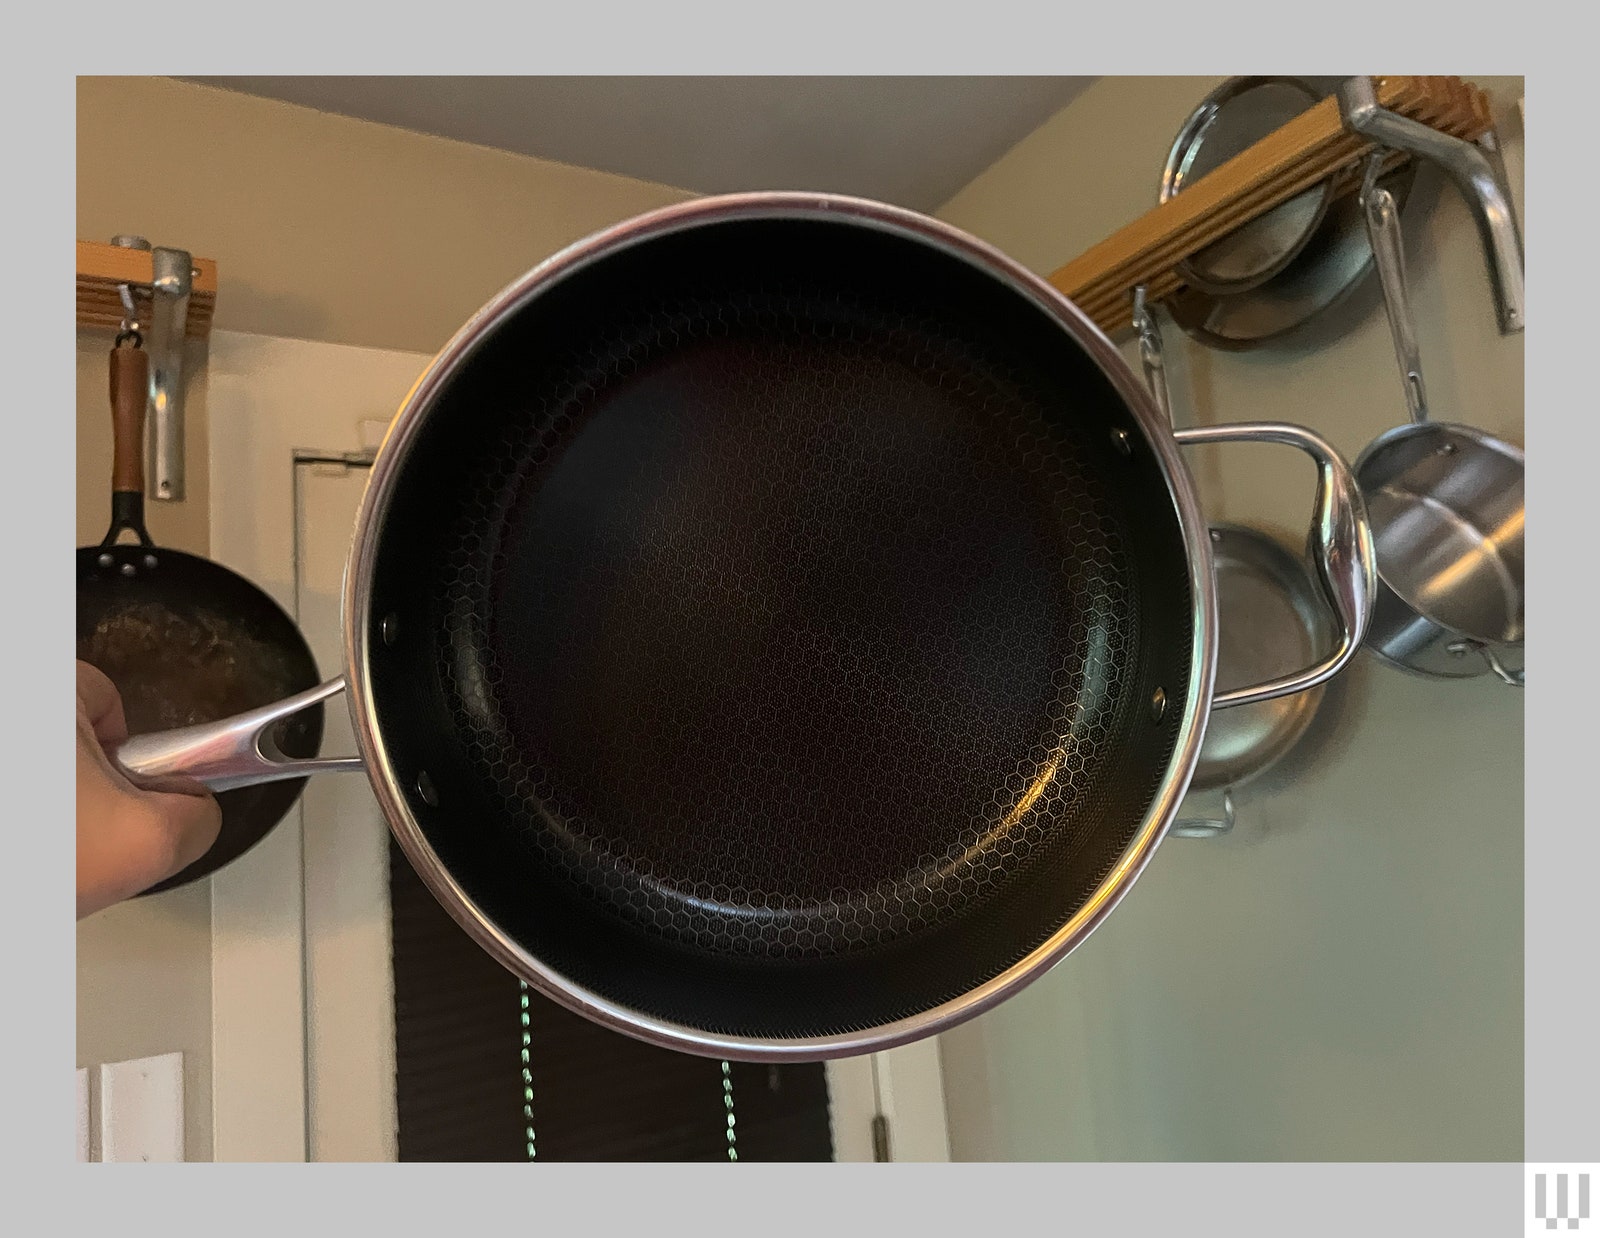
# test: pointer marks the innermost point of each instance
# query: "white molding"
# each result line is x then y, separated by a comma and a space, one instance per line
266, 398
911, 1096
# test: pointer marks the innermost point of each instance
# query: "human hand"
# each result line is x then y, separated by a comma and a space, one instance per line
129, 838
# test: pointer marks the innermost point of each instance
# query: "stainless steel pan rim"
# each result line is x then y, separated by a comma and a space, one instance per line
358, 621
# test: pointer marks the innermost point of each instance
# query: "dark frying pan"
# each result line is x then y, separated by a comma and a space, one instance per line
183, 639
782, 627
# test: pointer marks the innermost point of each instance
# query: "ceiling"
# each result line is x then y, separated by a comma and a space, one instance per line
913, 141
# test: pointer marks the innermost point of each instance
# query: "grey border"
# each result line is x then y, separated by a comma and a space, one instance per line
1562, 848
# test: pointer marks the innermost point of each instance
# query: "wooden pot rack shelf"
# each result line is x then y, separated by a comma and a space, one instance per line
1319, 145
103, 269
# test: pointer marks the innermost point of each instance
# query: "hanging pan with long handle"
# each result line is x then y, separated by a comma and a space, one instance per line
781, 627
1446, 507
184, 640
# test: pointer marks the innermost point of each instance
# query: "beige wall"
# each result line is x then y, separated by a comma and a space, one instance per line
1342, 978
325, 229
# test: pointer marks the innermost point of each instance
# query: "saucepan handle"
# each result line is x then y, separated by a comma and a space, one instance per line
236, 752
1502, 672
1206, 827
1340, 544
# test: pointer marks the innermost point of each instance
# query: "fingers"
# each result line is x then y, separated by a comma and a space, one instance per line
129, 837
191, 823
101, 705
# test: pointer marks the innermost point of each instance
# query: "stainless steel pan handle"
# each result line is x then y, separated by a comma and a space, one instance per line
1505, 674
1474, 175
1206, 827
1389, 256
1340, 544
235, 752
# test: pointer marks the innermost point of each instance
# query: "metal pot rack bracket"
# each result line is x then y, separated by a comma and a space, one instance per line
171, 282
1443, 120
1477, 171
173, 303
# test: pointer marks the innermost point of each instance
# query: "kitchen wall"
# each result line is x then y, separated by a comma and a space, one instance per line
325, 229
1340, 979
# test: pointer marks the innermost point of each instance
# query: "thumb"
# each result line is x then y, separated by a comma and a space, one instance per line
191, 821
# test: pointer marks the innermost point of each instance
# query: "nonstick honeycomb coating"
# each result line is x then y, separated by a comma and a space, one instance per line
807, 639
778, 641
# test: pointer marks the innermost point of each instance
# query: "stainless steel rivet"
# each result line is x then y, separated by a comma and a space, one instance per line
1119, 439
1158, 705
104, 560
390, 628
1216, 535
128, 569
430, 797
1447, 449
149, 560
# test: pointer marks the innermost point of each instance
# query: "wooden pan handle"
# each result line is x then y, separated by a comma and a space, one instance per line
130, 392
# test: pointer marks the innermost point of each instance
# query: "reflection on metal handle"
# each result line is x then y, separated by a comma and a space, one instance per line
1206, 827
235, 752
170, 288
1341, 544
1502, 672
1389, 256
1150, 352
1473, 174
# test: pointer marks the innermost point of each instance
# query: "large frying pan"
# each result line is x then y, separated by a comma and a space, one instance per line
780, 627
184, 640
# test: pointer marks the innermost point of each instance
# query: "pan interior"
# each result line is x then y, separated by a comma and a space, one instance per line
783, 623
1447, 525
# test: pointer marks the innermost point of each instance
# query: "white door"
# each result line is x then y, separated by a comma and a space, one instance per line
303, 1001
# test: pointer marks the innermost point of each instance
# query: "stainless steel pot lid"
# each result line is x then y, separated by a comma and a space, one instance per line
1270, 621
1326, 268
1234, 117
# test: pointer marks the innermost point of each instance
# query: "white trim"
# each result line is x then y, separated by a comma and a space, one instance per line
266, 397
906, 1086
911, 1097
852, 1103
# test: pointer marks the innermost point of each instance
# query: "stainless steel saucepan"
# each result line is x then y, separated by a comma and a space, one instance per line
1446, 506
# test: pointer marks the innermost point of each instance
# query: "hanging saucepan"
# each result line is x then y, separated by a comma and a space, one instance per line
781, 627
184, 640
1447, 512
1270, 619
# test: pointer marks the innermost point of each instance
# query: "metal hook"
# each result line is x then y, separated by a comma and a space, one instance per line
1151, 352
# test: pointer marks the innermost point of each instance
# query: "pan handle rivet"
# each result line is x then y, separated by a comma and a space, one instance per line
430, 797
1158, 705
149, 560
390, 629
104, 560
1119, 439
128, 569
